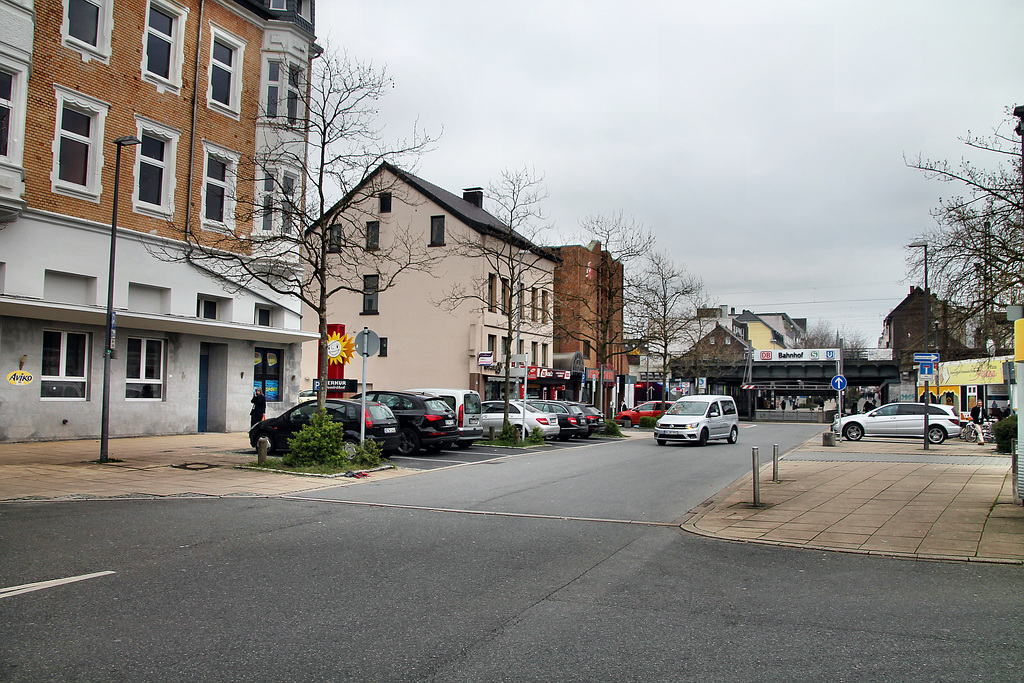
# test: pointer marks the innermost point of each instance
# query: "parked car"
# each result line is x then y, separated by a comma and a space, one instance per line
571, 420
494, 412
381, 424
698, 419
426, 421
631, 417
465, 403
595, 418
307, 394
901, 419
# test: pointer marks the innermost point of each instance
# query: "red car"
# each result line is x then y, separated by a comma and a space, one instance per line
648, 409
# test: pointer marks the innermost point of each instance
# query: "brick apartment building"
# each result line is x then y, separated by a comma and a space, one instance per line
195, 82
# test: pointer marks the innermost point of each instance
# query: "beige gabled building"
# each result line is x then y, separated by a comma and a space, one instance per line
446, 327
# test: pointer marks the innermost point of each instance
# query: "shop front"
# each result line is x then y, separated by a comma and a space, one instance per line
966, 383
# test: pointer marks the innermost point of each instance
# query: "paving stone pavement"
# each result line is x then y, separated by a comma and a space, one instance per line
878, 496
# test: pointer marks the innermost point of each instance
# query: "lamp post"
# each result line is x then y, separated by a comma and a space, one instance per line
519, 337
109, 343
927, 306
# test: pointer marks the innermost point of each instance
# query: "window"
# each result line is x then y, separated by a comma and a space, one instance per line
385, 202
492, 287
288, 209
544, 354
294, 86
586, 348
273, 87
163, 45
520, 346
78, 155
6, 102
154, 169
86, 27
533, 304
334, 239
267, 205
711, 340
506, 296
728, 340
264, 316
370, 284
437, 231
544, 306
372, 235
218, 188
144, 369
533, 352
267, 373
65, 361
206, 308
226, 54
506, 347
383, 352
277, 5
492, 341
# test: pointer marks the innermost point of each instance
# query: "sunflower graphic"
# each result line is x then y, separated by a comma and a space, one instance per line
340, 349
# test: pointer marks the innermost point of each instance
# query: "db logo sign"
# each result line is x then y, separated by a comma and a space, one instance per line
766, 355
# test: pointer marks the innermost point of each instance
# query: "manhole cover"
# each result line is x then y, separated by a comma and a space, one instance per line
195, 466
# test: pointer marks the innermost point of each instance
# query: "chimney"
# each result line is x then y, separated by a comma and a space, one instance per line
474, 195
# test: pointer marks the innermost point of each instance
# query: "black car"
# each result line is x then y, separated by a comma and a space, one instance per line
595, 418
571, 420
425, 420
381, 425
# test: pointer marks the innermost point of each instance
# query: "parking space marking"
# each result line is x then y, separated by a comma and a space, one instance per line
42, 585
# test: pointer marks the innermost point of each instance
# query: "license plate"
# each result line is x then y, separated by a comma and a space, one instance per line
449, 423
389, 430
672, 432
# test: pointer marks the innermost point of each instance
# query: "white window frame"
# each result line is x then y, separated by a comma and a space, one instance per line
278, 5
263, 193
233, 107
142, 380
170, 137
259, 309
280, 84
201, 302
18, 105
180, 15
97, 111
62, 376
230, 159
105, 25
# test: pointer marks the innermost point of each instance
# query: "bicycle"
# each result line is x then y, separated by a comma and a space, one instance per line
969, 432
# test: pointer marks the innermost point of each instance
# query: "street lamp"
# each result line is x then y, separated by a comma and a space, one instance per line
927, 306
519, 337
109, 348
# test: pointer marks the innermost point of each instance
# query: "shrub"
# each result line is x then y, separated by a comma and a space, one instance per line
509, 433
368, 454
536, 436
648, 422
1005, 431
321, 442
611, 428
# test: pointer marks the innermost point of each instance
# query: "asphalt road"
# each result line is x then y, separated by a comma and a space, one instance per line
397, 585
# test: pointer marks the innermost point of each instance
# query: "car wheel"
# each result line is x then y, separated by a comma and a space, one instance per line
585, 436
734, 434
853, 432
349, 448
703, 440
936, 434
465, 444
408, 442
272, 448
662, 442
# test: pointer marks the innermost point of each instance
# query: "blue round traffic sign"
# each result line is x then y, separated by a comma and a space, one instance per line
838, 382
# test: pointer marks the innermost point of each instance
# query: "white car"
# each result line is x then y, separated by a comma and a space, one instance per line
494, 412
698, 419
901, 419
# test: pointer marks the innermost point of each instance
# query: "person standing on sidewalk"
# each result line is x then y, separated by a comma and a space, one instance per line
259, 407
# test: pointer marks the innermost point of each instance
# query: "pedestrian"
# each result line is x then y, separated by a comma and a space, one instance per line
259, 407
783, 404
977, 413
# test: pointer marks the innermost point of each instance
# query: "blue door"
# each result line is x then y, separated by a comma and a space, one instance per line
204, 383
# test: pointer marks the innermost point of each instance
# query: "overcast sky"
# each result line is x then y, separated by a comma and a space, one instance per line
761, 142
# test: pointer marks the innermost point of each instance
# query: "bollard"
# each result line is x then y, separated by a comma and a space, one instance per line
756, 476
262, 446
775, 463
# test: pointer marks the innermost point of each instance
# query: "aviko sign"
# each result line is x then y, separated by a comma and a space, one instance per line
798, 355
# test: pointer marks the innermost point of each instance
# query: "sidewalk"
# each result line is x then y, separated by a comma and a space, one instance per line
878, 497
156, 466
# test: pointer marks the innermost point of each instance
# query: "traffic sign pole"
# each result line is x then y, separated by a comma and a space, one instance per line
839, 383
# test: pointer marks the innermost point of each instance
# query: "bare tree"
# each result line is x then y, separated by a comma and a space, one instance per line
512, 259
668, 300
824, 335
597, 311
976, 249
305, 231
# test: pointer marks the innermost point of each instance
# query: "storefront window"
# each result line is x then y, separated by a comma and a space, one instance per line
267, 373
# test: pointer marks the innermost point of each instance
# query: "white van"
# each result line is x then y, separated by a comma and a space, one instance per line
466, 405
698, 419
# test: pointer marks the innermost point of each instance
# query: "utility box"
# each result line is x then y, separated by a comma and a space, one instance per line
828, 439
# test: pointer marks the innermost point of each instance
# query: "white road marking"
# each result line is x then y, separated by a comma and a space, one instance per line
41, 585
